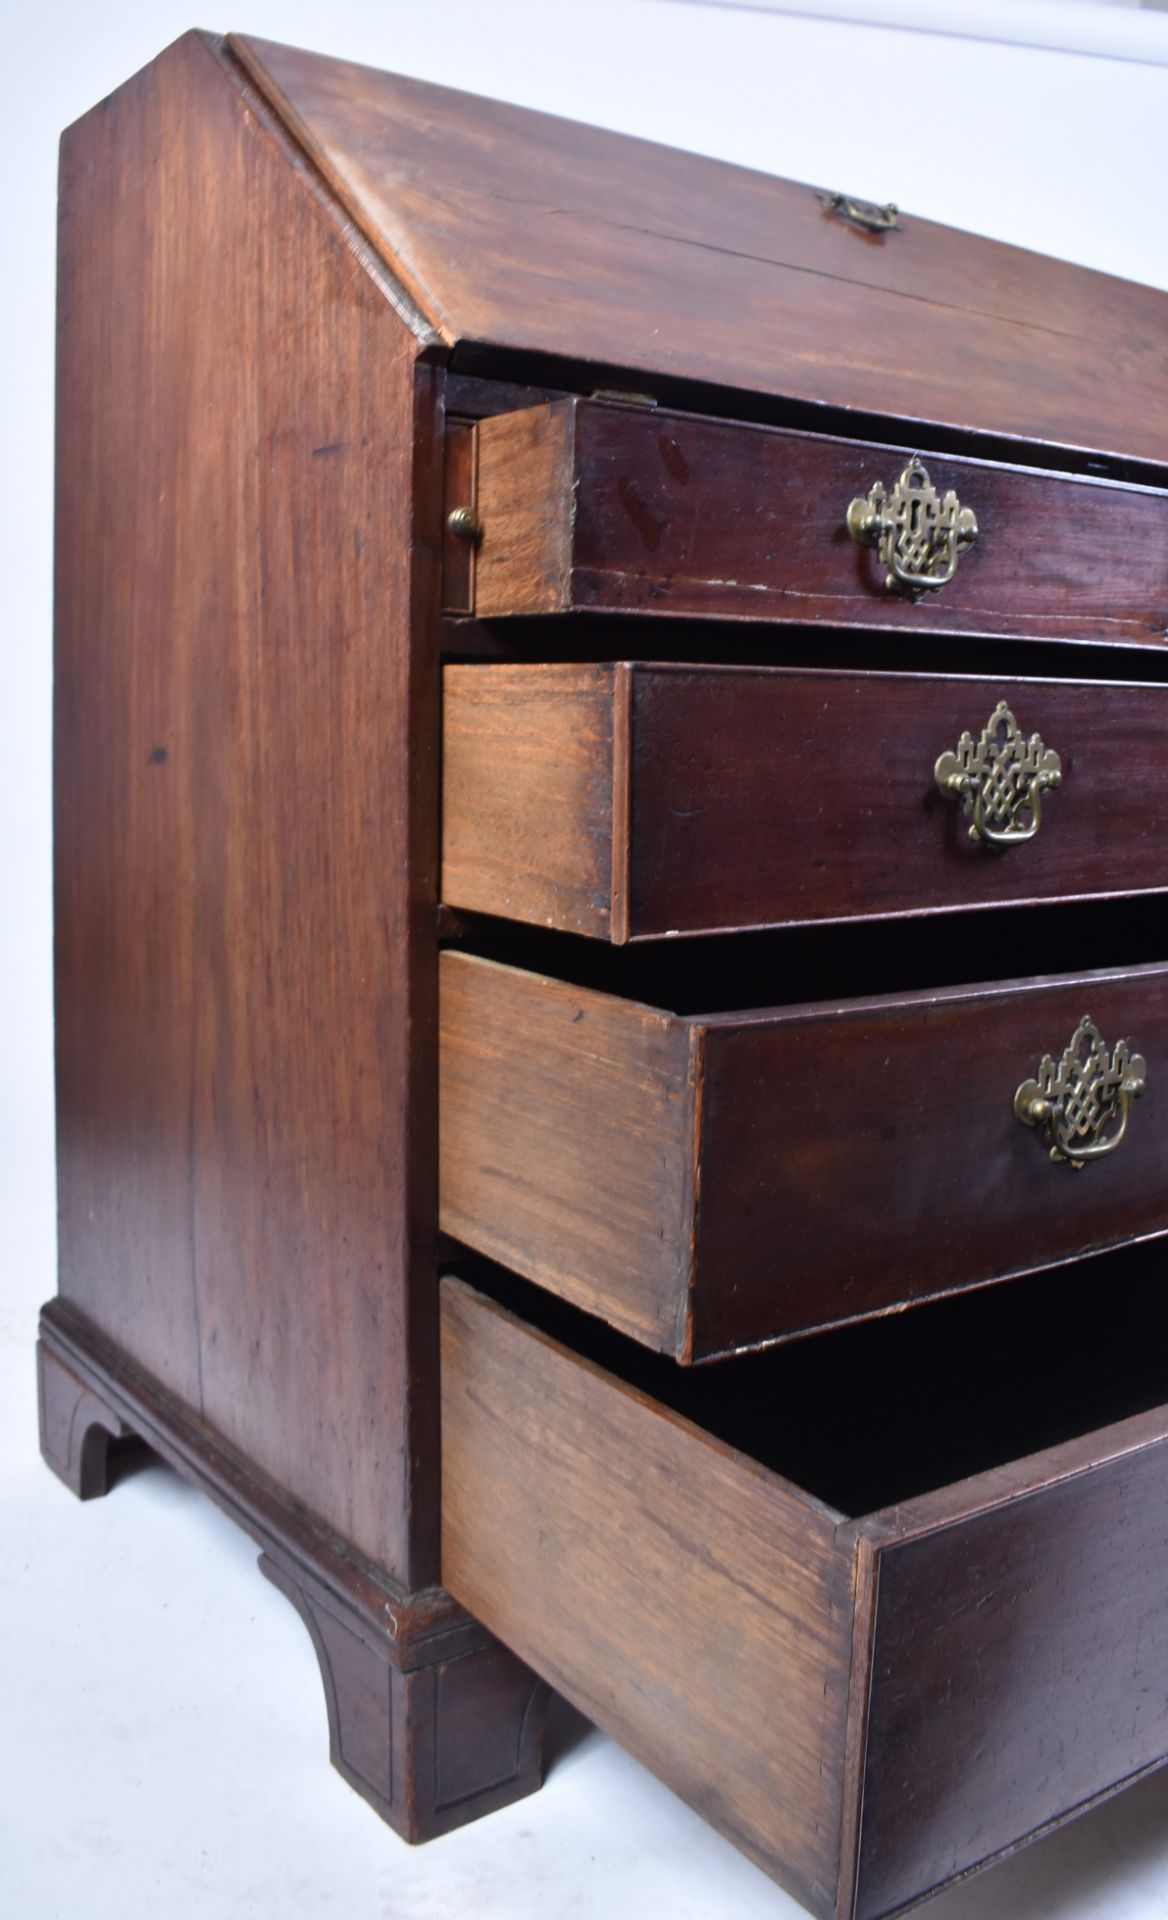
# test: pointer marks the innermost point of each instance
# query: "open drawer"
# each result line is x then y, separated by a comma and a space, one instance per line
880, 1615
630, 801
711, 1181
586, 506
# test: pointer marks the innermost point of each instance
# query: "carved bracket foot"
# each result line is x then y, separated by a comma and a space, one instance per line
430, 1718
77, 1427
449, 1737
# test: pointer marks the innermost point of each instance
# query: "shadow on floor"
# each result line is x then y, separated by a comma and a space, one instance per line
1101, 1863
566, 1732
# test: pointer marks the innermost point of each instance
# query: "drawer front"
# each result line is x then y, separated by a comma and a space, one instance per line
869, 1708
593, 507
1019, 1662
709, 1184
631, 802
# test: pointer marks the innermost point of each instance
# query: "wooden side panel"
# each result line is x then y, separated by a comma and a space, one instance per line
527, 794
527, 232
1019, 1673
692, 1603
865, 1157
567, 1133
244, 802
527, 505
125, 801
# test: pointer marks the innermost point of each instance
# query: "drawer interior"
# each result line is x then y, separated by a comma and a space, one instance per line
730, 973
588, 638
887, 1410
881, 1612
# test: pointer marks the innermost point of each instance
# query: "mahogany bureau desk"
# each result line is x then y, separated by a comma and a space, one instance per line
611, 841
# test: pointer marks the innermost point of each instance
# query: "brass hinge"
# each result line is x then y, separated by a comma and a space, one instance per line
625, 399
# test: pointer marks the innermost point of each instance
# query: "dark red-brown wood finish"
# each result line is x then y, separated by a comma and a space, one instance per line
1063, 1697
430, 1720
611, 509
548, 241
244, 731
248, 509
291, 293
631, 802
712, 1182
871, 1702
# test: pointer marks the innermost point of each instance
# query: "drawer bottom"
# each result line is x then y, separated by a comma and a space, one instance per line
879, 1617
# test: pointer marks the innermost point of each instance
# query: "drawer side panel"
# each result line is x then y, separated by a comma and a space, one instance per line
692, 1604
527, 794
566, 1129
526, 504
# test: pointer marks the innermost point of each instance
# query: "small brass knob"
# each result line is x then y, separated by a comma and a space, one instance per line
919, 536
1082, 1101
464, 523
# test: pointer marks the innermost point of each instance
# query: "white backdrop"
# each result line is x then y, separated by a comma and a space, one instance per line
162, 1737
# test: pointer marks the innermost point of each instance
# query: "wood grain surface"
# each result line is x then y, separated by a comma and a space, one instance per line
861, 1158
631, 509
272, 268
567, 1140
458, 492
528, 806
1018, 1666
244, 754
521, 233
757, 797
693, 1605
996, 1642
431, 1721
712, 1182
525, 464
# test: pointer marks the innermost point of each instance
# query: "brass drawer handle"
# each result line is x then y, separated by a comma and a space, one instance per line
919, 537
1000, 779
1074, 1099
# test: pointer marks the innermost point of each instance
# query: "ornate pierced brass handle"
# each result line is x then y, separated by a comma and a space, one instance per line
1000, 779
1076, 1100
919, 537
